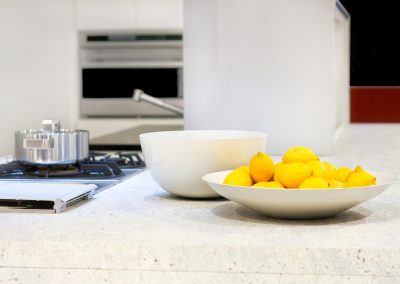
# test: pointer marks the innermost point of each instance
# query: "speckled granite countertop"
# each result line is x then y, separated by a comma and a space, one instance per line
137, 232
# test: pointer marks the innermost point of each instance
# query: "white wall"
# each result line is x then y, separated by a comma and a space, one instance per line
38, 65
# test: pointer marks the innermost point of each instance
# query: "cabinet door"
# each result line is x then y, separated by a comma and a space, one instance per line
105, 14
159, 14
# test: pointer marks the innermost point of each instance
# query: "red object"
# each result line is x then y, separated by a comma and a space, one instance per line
375, 104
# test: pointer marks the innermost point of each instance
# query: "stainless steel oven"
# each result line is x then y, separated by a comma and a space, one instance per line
113, 65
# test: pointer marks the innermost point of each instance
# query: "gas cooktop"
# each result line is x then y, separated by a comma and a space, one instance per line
101, 169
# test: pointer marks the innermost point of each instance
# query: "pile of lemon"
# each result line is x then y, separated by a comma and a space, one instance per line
300, 168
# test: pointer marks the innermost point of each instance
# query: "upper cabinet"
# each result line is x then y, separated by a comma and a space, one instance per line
159, 14
129, 14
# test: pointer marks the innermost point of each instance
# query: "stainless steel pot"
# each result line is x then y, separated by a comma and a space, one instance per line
51, 145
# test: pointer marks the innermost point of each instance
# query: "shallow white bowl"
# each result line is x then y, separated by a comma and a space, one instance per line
297, 203
178, 159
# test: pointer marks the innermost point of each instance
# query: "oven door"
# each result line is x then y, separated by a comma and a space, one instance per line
108, 91
112, 65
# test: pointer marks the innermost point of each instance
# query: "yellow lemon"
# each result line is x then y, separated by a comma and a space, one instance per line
299, 154
342, 173
318, 168
293, 174
238, 177
261, 167
330, 172
359, 177
269, 184
314, 182
276, 170
244, 168
334, 183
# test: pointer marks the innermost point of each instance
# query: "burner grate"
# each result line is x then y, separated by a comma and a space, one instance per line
10, 168
97, 169
123, 159
50, 171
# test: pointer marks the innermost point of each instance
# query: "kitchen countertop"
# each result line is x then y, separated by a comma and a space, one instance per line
137, 232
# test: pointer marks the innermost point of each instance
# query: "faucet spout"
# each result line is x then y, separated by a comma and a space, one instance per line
139, 95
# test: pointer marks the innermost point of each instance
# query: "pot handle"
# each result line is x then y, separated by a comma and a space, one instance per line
38, 143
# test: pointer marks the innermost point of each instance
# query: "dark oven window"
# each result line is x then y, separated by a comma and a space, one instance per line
120, 83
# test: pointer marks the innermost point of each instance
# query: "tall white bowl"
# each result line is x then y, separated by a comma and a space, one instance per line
178, 159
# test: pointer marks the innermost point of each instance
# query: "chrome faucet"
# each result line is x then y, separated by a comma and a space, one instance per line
139, 95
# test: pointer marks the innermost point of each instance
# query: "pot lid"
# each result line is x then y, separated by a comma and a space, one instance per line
50, 126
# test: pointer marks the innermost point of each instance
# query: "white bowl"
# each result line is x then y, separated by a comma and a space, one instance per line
297, 203
178, 159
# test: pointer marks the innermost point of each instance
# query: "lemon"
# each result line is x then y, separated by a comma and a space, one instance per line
293, 174
330, 172
318, 168
261, 167
244, 168
269, 184
299, 154
342, 173
276, 170
334, 183
238, 177
359, 177
314, 182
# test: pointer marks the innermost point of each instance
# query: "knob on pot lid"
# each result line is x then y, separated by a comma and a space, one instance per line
51, 125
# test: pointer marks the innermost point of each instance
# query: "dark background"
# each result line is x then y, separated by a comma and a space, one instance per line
375, 42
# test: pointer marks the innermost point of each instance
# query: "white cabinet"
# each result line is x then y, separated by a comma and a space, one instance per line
277, 66
159, 14
104, 14
128, 14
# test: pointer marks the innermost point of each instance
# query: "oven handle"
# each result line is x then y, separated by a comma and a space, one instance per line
139, 95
